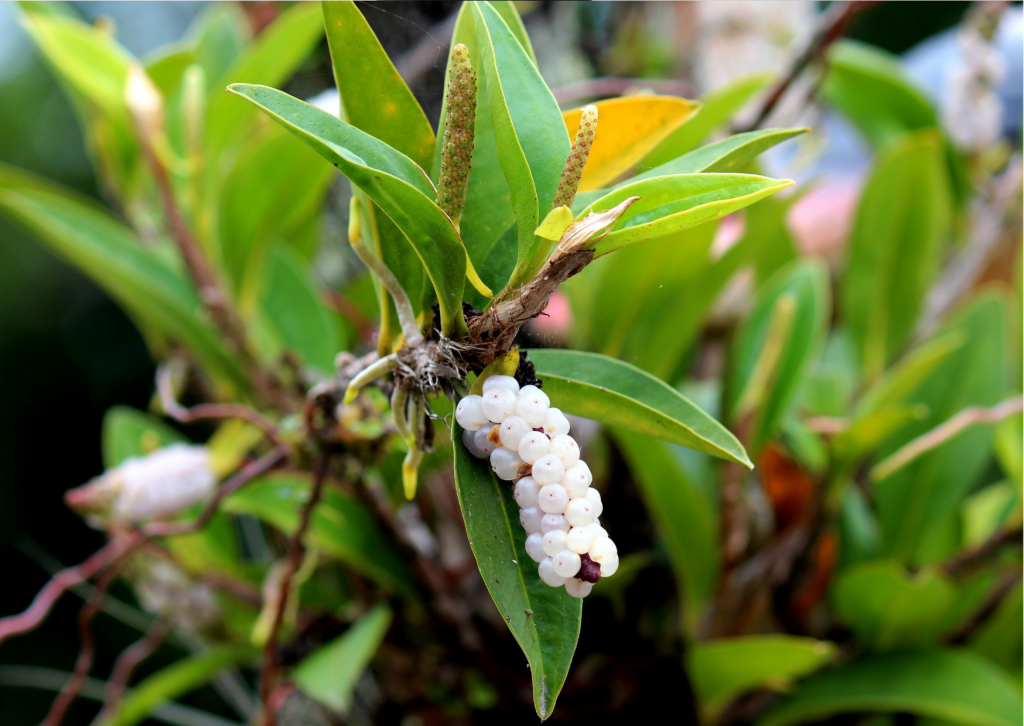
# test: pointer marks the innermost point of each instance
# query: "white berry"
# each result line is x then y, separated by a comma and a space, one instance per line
594, 497
546, 570
596, 529
575, 482
468, 440
548, 469
505, 463
552, 499
602, 549
579, 540
511, 432
578, 588
533, 446
583, 465
609, 565
552, 521
530, 518
533, 404
526, 492
470, 413
535, 546
506, 382
498, 404
566, 449
555, 423
567, 563
579, 512
484, 444
554, 542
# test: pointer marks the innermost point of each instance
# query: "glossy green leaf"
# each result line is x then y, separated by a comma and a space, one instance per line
720, 670
950, 685
341, 527
156, 296
392, 180
686, 522
895, 246
728, 155
918, 502
329, 674
717, 107
129, 433
176, 680
802, 285
531, 138
618, 394
508, 12
544, 620
671, 203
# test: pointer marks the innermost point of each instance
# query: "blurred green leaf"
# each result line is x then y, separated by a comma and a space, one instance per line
1009, 446
728, 155
1001, 637
984, 511
544, 620
952, 685
618, 394
860, 537
176, 680
329, 674
686, 523
392, 180
220, 34
341, 526
129, 433
671, 203
723, 669
895, 246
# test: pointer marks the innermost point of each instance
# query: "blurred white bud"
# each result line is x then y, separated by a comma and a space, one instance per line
144, 102
971, 110
165, 590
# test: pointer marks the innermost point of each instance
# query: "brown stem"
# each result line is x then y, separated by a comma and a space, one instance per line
126, 664
987, 609
966, 561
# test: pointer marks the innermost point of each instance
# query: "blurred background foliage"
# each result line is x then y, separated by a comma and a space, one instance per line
830, 252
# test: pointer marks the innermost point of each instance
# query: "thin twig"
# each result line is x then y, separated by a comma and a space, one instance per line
966, 561
126, 664
986, 610
944, 432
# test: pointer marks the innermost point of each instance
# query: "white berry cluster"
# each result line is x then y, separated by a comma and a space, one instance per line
528, 442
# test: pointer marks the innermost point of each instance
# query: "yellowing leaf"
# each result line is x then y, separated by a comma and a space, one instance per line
627, 129
557, 221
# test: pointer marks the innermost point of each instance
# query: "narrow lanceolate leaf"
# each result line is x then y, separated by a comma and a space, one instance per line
544, 620
953, 686
618, 394
629, 128
727, 155
723, 669
508, 12
896, 246
392, 180
671, 203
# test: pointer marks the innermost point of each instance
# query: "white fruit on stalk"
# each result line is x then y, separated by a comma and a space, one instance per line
566, 449
512, 431
578, 588
161, 483
533, 404
506, 382
575, 481
609, 565
483, 444
548, 469
505, 463
550, 522
530, 518
470, 413
554, 542
498, 404
546, 570
579, 540
567, 563
594, 497
526, 492
535, 546
469, 441
596, 529
533, 446
555, 423
579, 512
583, 465
552, 499
602, 549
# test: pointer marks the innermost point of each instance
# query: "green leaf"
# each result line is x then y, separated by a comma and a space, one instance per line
871, 88
392, 180
156, 296
717, 107
531, 138
895, 246
686, 522
723, 669
951, 685
618, 394
544, 620
888, 608
769, 362
330, 673
130, 433
341, 526
220, 32
918, 502
176, 680
508, 12
859, 535
671, 203
728, 155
